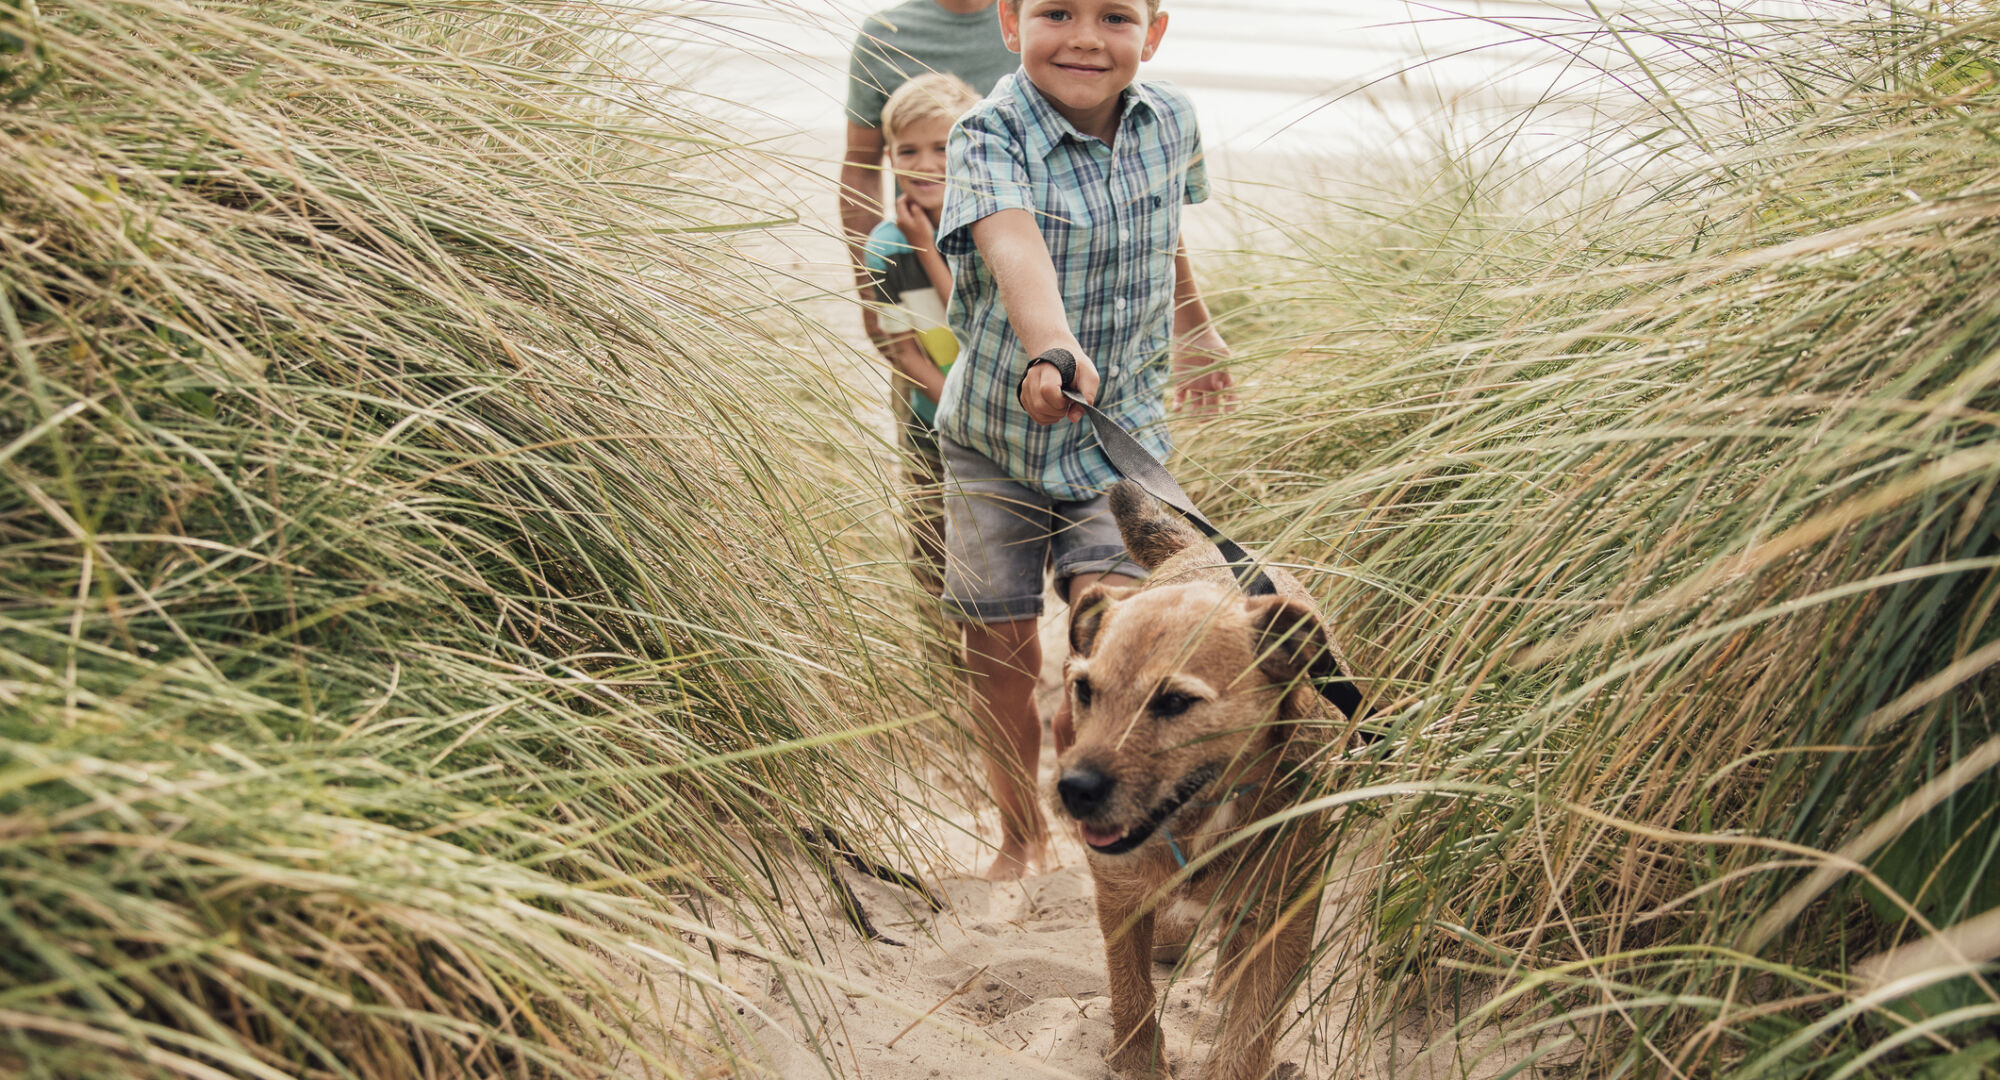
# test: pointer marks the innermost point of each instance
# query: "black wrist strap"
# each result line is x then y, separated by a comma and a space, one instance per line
1061, 359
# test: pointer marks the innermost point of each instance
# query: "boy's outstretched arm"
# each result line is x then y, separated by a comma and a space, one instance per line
1203, 382
1018, 257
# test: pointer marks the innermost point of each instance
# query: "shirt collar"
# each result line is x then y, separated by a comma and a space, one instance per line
1047, 128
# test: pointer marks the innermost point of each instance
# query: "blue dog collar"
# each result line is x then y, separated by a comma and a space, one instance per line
1174, 845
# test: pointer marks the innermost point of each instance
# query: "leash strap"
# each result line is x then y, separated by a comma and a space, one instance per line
1135, 464
1142, 468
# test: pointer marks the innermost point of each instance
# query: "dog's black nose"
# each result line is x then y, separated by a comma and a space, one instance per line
1084, 790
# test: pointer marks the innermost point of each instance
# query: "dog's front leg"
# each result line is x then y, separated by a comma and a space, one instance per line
1136, 1048
1255, 973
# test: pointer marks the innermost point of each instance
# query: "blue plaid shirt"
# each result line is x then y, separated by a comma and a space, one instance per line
1111, 217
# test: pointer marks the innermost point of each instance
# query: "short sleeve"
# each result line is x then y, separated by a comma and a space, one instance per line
883, 245
867, 88
1194, 174
1196, 188
985, 173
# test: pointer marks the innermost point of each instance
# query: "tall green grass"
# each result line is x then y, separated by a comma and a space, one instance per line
1652, 481
429, 571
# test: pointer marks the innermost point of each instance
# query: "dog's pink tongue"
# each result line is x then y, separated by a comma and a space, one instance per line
1098, 837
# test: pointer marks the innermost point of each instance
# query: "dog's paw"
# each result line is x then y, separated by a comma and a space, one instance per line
1155, 1071
1146, 1059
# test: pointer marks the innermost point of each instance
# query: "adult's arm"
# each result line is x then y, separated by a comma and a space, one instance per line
861, 207
1018, 258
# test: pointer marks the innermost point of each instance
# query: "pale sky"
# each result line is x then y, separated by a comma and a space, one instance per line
1283, 88
1264, 74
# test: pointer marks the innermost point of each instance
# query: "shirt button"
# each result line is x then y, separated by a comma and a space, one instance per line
1118, 303
1113, 371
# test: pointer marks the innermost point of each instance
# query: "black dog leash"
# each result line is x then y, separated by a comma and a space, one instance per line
1135, 464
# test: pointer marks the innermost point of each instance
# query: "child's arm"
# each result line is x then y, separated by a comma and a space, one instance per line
1199, 351
908, 357
916, 226
1012, 245
905, 354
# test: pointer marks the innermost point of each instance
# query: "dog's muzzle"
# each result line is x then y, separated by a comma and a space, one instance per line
1090, 782
1084, 791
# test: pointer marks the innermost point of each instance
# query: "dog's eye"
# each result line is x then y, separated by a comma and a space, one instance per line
1083, 693
1170, 703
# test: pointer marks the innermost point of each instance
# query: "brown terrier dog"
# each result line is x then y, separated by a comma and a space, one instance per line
1184, 695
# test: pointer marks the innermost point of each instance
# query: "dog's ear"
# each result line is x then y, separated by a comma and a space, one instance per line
1088, 614
1150, 533
1289, 640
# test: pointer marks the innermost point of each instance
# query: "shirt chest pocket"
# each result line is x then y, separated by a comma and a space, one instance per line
1077, 221
1150, 211
1066, 211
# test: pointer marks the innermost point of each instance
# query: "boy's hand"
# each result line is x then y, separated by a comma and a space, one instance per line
1203, 381
1042, 396
916, 225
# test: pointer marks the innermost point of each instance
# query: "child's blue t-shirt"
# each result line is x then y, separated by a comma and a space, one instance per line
1111, 217
912, 304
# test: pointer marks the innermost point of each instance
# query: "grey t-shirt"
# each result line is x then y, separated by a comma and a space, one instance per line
919, 36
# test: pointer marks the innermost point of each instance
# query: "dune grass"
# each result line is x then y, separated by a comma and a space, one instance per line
426, 557
430, 573
1651, 477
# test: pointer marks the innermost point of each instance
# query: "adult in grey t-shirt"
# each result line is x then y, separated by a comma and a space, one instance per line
958, 37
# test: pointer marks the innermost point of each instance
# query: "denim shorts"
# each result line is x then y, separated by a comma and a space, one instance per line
999, 535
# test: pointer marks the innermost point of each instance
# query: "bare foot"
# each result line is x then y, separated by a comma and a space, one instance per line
1015, 861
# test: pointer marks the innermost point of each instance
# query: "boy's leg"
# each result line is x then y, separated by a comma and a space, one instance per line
996, 541
1005, 659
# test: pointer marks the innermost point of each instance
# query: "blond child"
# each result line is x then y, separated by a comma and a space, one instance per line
910, 284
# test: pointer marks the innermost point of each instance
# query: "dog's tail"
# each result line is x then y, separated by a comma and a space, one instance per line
1151, 534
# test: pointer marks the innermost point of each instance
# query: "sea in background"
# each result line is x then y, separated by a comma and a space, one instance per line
1296, 98
1285, 81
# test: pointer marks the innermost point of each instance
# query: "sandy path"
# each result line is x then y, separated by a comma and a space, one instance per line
1009, 981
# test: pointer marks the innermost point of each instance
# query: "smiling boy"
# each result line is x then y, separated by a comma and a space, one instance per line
1062, 211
